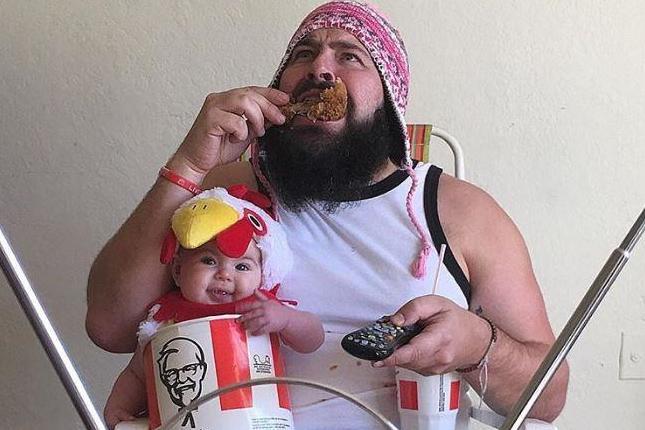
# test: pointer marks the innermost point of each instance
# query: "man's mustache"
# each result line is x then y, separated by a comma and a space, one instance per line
309, 84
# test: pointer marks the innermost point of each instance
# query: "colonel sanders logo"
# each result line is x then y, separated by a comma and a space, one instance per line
182, 369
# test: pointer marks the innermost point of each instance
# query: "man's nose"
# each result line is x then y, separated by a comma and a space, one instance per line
323, 67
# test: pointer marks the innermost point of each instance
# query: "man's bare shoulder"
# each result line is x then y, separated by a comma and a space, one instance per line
471, 219
240, 172
464, 201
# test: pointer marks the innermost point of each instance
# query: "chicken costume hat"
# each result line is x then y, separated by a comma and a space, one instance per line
231, 218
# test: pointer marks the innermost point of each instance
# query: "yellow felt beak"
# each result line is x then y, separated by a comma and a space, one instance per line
197, 224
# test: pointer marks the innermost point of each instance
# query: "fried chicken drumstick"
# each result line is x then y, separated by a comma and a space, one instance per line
331, 105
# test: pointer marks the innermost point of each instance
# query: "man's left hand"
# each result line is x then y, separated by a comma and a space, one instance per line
452, 337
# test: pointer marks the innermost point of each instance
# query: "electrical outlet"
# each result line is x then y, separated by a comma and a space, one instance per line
632, 356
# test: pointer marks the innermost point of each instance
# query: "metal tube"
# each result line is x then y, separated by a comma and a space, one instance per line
574, 326
47, 336
455, 147
274, 380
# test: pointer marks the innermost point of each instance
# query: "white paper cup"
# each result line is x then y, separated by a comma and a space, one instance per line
428, 402
185, 361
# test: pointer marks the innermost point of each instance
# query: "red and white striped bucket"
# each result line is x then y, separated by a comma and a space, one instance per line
185, 361
428, 402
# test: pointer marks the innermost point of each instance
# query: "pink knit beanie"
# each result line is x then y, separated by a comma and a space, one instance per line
379, 37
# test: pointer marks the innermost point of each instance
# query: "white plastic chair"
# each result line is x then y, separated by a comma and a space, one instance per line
420, 144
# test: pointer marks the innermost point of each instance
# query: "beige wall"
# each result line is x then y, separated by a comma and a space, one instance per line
546, 98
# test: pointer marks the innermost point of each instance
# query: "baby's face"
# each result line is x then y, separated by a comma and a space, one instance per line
205, 275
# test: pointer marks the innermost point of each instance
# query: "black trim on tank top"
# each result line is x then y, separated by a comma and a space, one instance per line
436, 231
392, 181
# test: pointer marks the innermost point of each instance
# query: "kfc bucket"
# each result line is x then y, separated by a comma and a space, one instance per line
188, 360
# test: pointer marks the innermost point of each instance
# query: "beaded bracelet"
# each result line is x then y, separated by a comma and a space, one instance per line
484, 359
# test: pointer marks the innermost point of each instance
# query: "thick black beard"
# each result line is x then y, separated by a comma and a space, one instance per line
306, 164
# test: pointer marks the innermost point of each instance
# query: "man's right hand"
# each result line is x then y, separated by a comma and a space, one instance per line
126, 275
221, 134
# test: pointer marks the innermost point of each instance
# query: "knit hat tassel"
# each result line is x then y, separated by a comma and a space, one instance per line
419, 265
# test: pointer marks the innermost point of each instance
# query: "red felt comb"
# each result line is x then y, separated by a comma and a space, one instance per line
241, 191
168, 248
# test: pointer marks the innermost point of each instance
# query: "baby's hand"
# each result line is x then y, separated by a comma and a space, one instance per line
263, 315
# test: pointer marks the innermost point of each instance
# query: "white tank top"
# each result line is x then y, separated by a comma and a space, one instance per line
352, 267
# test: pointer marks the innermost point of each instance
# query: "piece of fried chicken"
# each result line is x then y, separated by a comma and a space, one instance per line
331, 106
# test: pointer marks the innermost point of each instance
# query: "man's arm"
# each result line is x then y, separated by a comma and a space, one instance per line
127, 275
492, 253
504, 288
128, 396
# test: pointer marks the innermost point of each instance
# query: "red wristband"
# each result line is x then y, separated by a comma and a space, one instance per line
179, 180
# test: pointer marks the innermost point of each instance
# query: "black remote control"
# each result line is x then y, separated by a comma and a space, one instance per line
379, 339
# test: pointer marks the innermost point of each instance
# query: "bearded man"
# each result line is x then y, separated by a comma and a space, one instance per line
364, 222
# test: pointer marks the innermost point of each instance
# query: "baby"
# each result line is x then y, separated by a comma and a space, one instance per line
230, 258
